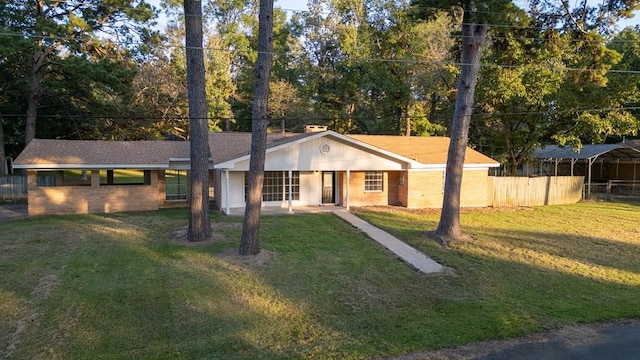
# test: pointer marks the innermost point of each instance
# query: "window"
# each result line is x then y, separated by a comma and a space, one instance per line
276, 185
125, 177
64, 178
175, 184
295, 185
373, 181
273, 186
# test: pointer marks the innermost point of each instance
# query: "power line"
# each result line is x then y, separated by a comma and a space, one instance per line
414, 60
323, 117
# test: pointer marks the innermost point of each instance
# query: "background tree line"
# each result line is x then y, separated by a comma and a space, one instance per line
92, 69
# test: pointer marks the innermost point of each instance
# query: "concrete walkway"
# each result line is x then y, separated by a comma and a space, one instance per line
407, 253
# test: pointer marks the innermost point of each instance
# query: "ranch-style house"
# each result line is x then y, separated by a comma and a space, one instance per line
314, 168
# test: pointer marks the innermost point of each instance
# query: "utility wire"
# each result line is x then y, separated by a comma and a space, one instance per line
328, 118
413, 60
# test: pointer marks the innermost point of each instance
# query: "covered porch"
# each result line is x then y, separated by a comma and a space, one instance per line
294, 191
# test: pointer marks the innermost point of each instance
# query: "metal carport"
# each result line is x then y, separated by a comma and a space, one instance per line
589, 154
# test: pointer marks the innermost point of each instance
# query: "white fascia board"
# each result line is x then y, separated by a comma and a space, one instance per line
90, 166
185, 164
480, 166
484, 165
429, 168
465, 166
188, 159
411, 163
229, 165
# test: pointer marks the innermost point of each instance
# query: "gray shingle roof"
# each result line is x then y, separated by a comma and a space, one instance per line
74, 153
225, 146
602, 151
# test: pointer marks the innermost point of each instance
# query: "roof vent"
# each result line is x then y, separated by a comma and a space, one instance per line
314, 128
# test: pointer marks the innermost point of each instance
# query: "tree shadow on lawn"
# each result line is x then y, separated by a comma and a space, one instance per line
587, 250
123, 292
337, 295
384, 307
617, 252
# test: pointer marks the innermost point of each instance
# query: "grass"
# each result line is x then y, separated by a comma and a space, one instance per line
115, 286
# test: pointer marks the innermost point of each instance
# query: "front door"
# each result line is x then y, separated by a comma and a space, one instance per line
328, 185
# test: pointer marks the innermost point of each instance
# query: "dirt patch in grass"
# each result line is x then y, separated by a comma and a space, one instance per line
180, 235
261, 259
46, 284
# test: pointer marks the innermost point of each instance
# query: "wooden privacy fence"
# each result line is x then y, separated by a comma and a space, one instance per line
13, 188
534, 191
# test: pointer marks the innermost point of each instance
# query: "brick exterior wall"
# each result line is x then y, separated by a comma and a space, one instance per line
358, 196
416, 189
396, 178
475, 188
424, 189
403, 189
92, 199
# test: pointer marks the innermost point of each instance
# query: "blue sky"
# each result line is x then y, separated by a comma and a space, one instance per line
302, 5
283, 4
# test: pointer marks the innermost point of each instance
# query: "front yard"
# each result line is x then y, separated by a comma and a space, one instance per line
117, 286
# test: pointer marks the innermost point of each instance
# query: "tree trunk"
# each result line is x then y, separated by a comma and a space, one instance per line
35, 87
473, 37
250, 243
199, 216
407, 130
3, 160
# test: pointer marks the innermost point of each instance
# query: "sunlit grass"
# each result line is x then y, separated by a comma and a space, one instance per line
116, 286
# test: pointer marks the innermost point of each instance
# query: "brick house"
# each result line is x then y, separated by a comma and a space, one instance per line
309, 169
86, 176
322, 168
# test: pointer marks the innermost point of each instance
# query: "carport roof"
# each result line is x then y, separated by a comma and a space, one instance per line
602, 151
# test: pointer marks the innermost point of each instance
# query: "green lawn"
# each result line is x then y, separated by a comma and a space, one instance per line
116, 287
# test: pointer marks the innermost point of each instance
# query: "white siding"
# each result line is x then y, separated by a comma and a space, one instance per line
307, 156
310, 190
236, 189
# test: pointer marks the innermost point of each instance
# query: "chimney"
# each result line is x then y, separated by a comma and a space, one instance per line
314, 128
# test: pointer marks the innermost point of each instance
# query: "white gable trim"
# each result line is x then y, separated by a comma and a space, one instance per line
353, 142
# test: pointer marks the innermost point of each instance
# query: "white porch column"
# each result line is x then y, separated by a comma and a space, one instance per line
633, 184
540, 166
347, 190
573, 162
226, 191
589, 183
290, 192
